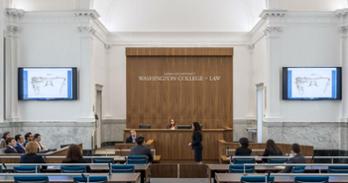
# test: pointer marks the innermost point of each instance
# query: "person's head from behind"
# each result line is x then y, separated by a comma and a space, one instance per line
295, 148
74, 153
37, 137
244, 142
31, 148
11, 142
270, 145
172, 122
133, 133
6, 135
19, 138
28, 136
196, 126
140, 140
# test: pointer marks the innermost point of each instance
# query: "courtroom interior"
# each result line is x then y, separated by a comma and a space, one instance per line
164, 91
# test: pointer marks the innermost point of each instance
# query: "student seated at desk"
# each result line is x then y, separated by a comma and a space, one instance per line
30, 155
5, 136
74, 155
140, 149
11, 145
28, 137
20, 141
132, 138
172, 124
296, 157
271, 149
243, 150
37, 139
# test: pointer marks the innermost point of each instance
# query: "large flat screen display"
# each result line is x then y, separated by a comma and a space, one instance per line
312, 83
47, 84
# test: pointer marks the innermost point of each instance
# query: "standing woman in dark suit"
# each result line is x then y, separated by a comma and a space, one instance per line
196, 143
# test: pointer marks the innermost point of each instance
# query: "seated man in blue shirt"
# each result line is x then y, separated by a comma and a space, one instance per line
140, 149
20, 143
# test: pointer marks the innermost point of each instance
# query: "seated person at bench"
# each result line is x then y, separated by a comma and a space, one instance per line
30, 155
140, 149
74, 155
20, 143
11, 145
243, 150
271, 150
296, 157
132, 138
5, 136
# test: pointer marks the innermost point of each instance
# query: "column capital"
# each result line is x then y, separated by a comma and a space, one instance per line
342, 12
270, 30
14, 13
273, 13
86, 29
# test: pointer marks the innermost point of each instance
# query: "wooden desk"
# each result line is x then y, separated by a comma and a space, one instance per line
212, 169
173, 144
113, 178
235, 178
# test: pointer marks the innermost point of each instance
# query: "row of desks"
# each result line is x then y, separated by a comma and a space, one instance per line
235, 178
58, 178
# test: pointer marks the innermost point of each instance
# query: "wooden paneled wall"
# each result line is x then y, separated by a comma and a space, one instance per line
193, 84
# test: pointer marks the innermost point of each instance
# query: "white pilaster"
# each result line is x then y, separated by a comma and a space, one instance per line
273, 33
2, 25
11, 62
86, 75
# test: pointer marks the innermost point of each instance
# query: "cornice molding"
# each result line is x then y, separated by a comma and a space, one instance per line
273, 13
14, 13
341, 12
87, 13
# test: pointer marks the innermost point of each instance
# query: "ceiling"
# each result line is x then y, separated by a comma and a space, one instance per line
179, 15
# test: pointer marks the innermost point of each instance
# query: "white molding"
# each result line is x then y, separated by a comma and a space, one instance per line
274, 13
87, 13
341, 12
14, 13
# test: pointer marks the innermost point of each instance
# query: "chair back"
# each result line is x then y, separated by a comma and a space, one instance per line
31, 179
25, 169
137, 159
94, 179
277, 160
298, 169
73, 169
243, 160
312, 179
119, 168
240, 168
338, 169
256, 179
103, 160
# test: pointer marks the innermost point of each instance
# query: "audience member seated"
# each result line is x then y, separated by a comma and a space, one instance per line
271, 149
132, 138
172, 124
243, 150
5, 136
296, 157
140, 149
20, 141
28, 137
74, 155
11, 145
30, 156
37, 139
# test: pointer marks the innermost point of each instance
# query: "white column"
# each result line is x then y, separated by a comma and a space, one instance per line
11, 63
260, 105
86, 70
2, 28
273, 32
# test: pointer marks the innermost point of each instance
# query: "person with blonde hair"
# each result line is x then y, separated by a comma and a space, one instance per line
132, 138
30, 156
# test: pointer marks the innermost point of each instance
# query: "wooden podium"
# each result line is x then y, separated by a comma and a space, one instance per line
172, 145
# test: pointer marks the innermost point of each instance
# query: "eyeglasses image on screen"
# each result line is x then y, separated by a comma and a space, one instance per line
312, 83
47, 84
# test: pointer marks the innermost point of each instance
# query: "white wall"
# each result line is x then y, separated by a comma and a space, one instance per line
309, 44
46, 42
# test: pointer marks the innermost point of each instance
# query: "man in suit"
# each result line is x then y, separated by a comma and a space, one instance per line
297, 157
140, 149
132, 138
11, 145
20, 143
